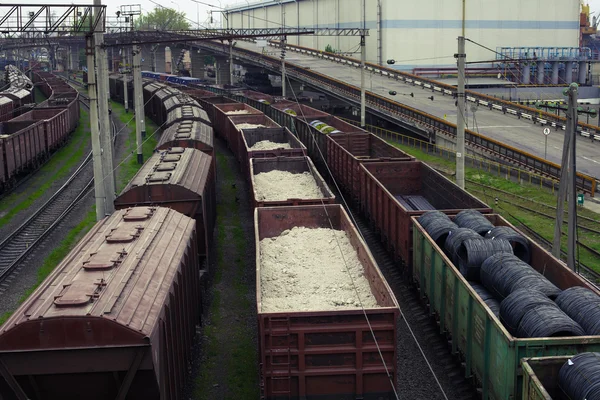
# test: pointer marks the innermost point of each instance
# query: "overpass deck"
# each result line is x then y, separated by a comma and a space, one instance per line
517, 132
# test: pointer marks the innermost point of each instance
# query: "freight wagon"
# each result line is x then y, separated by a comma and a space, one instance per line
326, 353
490, 353
92, 331
222, 112
389, 202
297, 166
346, 153
181, 179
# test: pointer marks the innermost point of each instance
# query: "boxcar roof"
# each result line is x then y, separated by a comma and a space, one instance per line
115, 282
187, 112
178, 166
188, 130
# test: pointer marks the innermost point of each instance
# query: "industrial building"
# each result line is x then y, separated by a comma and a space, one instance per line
422, 33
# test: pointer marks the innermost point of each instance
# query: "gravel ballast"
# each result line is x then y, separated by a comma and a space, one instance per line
312, 270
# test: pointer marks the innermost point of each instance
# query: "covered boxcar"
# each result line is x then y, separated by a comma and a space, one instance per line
115, 319
181, 179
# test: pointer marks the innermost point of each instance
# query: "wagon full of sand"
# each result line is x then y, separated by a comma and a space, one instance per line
321, 300
287, 181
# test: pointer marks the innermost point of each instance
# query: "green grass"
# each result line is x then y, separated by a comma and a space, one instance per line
530, 196
130, 166
59, 165
241, 359
56, 256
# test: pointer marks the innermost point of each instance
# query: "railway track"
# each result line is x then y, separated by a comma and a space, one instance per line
16, 247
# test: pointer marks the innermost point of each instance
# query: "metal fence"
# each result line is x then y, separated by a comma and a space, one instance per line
471, 160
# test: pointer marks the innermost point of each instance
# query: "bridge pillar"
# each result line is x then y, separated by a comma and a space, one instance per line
222, 72
526, 78
582, 73
555, 66
197, 61
568, 72
147, 58
160, 63
540, 72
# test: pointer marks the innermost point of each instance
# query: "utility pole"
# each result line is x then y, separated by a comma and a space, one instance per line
106, 144
94, 128
231, 61
562, 190
460, 119
572, 227
283, 78
138, 102
363, 94
125, 66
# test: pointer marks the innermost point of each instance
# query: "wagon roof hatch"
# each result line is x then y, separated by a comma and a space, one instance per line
138, 213
78, 293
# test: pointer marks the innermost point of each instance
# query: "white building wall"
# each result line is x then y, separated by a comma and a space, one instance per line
423, 33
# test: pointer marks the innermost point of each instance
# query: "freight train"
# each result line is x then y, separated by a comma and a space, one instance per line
123, 324
33, 133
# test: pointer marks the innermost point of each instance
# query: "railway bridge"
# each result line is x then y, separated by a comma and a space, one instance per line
497, 128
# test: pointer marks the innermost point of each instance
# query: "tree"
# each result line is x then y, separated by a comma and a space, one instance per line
162, 19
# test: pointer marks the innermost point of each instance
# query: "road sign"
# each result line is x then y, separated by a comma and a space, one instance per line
580, 199
546, 131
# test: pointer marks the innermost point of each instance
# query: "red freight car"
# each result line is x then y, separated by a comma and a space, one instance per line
345, 154
250, 137
236, 123
222, 112
392, 192
326, 354
181, 179
158, 103
115, 319
295, 165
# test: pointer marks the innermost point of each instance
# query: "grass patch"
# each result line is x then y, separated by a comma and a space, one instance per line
241, 361
129, 167
511, 195
57, 254
59, 165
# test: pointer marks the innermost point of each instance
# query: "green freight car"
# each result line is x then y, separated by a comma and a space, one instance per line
491, 355
540, 377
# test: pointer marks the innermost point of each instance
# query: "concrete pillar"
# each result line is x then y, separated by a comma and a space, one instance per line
147, 58
569, 72
526, 78
582, 73
555, 73
197, 60
159, 60
540, 72
222, 71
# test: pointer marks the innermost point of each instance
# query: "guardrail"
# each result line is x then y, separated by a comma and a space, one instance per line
420, 119
521, 111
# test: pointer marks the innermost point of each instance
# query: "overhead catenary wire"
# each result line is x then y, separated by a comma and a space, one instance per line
344, 201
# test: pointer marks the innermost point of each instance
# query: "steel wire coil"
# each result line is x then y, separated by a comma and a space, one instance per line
454, 240
547, 320
473, 252
504, 273
475, 220
519, 242
487, 298
517, 304
579, 377
583, 305
439, 229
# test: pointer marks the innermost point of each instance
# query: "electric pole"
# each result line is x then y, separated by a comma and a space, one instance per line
363, 94
138, 102
460, 119
94, 128
572, 232
283, 46
106, 144
125, 51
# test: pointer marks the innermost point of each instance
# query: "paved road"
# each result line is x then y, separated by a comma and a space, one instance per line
505, 128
